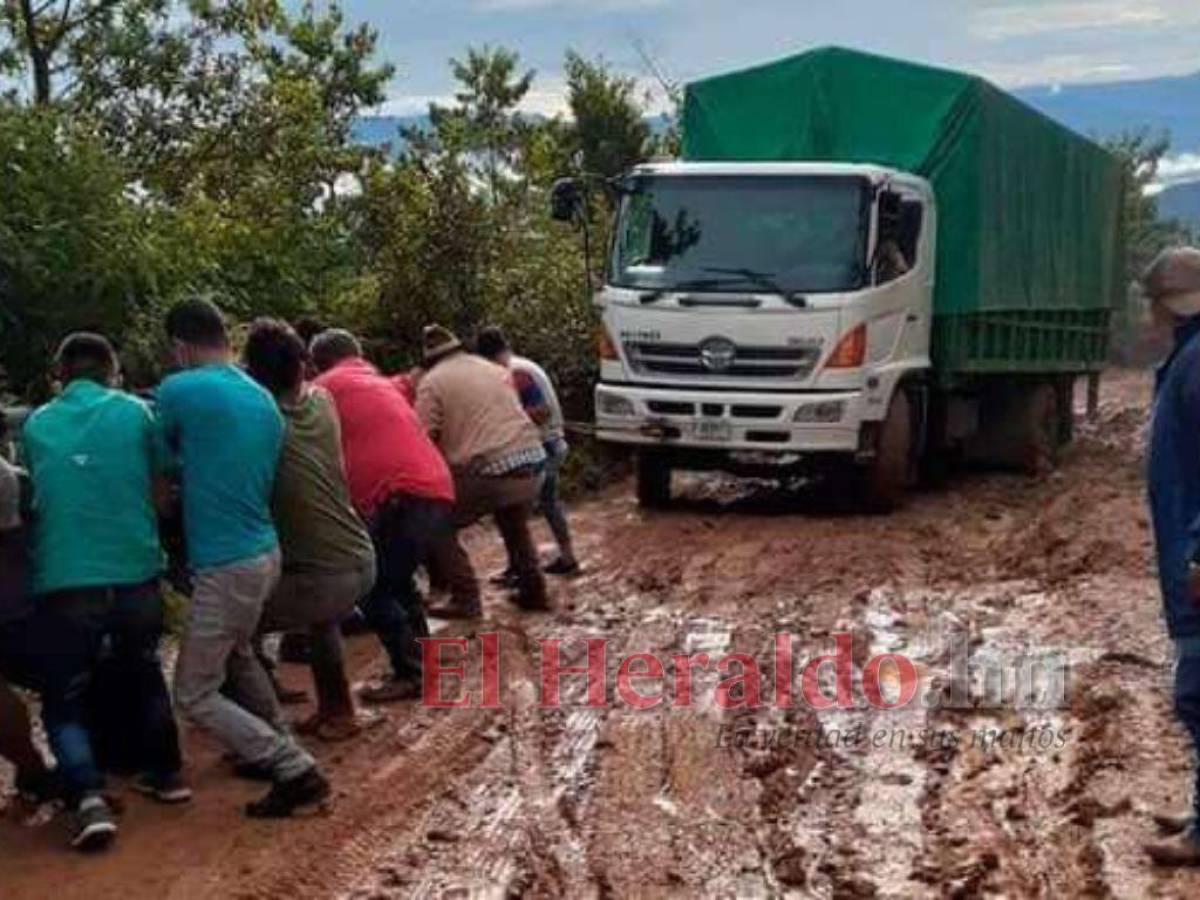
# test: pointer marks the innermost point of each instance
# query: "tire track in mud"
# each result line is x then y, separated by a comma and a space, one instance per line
614, 802
360, 829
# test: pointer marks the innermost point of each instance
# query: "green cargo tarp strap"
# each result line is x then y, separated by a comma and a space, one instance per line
1029, 212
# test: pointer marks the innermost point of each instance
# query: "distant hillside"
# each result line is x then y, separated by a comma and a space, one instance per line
1182, 202
1169, 104
1161, 104
375, 131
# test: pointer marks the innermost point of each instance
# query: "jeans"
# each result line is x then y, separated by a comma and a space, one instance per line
316, 603
79, 626
218, 644
403, 529
548, 503
1187, 706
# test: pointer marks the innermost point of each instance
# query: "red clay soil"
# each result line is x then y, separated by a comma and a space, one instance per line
580, 801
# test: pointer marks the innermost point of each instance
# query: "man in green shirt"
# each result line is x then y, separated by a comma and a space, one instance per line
93, 462
328, 558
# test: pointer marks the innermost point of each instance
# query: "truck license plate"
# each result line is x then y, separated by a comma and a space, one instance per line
714, 430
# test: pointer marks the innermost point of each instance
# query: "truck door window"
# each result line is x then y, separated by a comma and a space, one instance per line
899, 237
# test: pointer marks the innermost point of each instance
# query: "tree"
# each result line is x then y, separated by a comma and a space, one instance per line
174, 88
75, 250
1145, 235
209, 148
609, 128
42, 35
490, 92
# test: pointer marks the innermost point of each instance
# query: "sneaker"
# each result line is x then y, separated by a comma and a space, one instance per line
286, 797
169, 789
1173, 824
95, 825
563, 567
1178, 852
392, 690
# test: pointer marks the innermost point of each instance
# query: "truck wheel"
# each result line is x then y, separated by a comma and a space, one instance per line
653, 480
1040, 430
885, 479
1021, 429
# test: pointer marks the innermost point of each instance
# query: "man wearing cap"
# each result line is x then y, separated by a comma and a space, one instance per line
1173, 285
494, 449
401, 487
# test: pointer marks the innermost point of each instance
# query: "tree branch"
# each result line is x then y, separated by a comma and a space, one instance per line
92, 12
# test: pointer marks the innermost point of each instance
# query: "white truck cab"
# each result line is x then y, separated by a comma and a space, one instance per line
762, 315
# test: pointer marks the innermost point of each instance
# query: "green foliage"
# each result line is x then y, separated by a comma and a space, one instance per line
74, 251
1145, 235
609, 130
176, 149
458, 231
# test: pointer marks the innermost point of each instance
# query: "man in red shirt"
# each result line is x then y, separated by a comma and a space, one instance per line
402, 488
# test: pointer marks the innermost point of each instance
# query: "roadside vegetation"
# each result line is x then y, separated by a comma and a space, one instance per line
146, 154
148, 151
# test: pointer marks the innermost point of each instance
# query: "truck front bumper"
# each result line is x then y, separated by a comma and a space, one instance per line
818, 422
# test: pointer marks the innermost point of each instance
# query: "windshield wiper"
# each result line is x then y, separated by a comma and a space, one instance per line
762, 279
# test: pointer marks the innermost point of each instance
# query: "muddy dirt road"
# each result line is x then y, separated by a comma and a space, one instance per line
1049, 799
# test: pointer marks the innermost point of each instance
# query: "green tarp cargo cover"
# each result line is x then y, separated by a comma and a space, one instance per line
1029, 212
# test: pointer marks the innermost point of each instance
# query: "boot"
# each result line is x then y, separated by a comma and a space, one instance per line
392, 690
1176, 852
309, 789
1170, 824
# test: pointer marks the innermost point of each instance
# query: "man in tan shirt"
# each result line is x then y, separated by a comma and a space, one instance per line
495, 454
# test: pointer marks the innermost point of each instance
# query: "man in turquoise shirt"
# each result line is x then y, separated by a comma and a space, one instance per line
93, 462
228, 433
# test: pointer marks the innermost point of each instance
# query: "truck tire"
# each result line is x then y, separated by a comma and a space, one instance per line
1040, 434
883, 482
1021, 429
653, 479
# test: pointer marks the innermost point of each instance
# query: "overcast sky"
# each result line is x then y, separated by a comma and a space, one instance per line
1015, 42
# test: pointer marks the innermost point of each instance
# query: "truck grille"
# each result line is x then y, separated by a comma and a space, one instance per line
748, 362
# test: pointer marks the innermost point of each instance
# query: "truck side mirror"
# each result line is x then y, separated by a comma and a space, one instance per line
565, 200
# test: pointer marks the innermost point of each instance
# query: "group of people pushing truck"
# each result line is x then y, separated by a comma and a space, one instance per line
311, 488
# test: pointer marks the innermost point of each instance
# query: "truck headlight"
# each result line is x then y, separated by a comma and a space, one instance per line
825, 412
613, 405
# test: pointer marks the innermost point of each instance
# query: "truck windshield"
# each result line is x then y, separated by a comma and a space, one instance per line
735, 233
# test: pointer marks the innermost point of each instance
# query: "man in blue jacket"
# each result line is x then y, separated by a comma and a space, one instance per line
1173, 285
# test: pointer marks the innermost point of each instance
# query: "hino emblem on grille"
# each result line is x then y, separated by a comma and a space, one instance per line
717, 354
